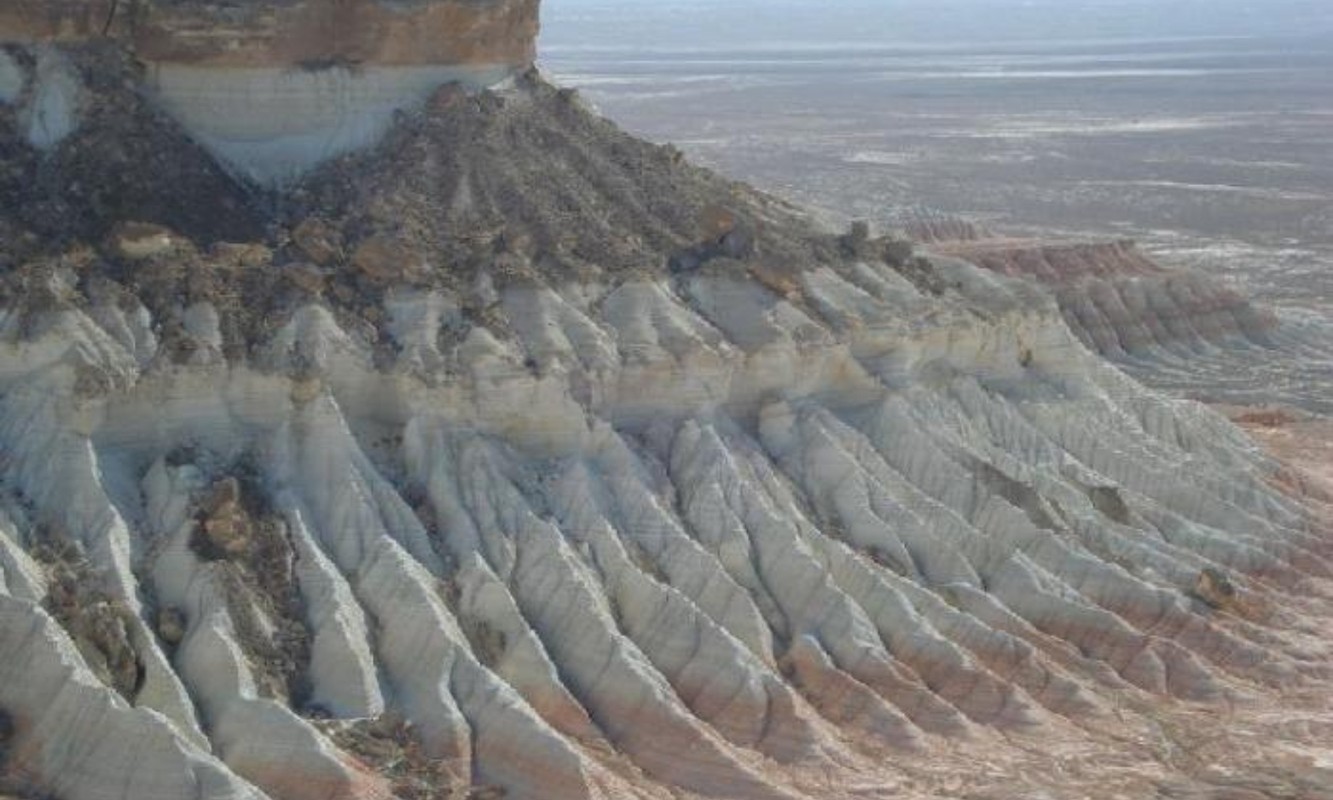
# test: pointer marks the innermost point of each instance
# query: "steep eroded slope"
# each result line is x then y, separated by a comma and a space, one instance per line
518, 458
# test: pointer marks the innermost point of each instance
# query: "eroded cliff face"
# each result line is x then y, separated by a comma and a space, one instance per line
509, 456
271, 88
289, 33
1182, 330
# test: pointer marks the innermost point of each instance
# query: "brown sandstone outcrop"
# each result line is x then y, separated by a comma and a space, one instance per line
271, 89
290, 32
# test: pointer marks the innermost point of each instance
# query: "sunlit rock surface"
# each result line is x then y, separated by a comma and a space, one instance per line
509, 456
721, 541
1181, 330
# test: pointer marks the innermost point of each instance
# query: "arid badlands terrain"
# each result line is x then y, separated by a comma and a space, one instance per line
378, 421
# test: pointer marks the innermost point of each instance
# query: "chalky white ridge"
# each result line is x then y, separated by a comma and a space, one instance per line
667, 535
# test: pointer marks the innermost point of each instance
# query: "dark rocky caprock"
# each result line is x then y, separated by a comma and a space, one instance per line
376, 421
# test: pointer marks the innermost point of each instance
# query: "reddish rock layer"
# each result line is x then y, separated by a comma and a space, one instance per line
294, 32
1118, 300
1054, 263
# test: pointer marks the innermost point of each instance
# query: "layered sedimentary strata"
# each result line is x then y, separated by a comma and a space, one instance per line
252, 33
1119, 301
1182, 330
270, 88
740, 529
791, 522
511, 456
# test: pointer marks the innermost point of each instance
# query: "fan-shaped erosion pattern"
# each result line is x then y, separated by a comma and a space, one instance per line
504, 455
